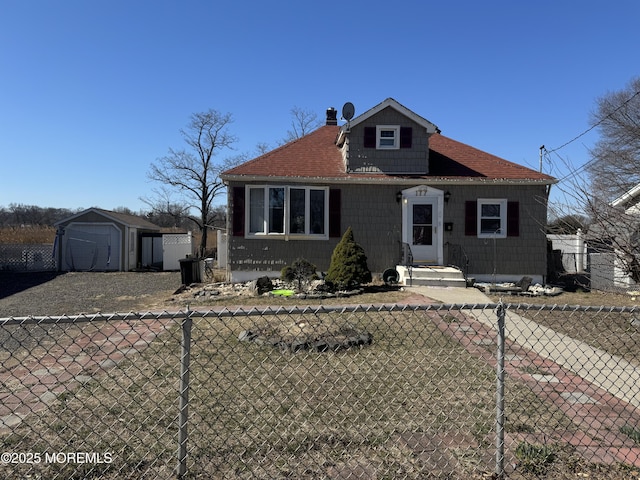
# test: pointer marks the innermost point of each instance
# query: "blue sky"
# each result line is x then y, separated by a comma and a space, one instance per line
93, 92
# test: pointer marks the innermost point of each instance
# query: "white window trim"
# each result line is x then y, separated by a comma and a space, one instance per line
502, 232
287, 235
396, 138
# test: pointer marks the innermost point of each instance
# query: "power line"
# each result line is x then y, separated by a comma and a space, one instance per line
596, 124
599, 122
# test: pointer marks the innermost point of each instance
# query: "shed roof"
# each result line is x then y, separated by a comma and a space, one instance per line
122, 218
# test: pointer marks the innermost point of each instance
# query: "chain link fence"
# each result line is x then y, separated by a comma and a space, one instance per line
406, 392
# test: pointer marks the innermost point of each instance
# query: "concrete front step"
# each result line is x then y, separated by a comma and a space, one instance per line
436, 282
431, 276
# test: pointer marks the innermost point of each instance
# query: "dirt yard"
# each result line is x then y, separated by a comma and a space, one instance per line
49, 293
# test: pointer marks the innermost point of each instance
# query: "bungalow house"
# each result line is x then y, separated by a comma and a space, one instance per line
411, 195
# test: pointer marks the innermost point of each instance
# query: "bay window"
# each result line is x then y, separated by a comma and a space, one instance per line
276, 210
287, 211
256, 207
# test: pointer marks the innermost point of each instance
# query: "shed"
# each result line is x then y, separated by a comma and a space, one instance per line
101, 240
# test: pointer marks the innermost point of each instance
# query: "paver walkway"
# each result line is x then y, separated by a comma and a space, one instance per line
600, 392
33, 384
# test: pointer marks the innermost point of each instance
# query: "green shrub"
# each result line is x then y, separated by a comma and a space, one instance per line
348, 266
301, 271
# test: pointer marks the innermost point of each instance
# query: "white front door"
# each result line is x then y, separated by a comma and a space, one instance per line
422, 236
422, 224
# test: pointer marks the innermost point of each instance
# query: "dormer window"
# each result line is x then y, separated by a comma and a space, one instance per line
388, 137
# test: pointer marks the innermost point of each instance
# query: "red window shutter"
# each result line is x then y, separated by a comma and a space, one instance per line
406, 137
369, 137
237, 209
335, 229
471, 218
513, 219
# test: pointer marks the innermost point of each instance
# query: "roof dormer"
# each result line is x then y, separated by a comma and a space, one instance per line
389, 138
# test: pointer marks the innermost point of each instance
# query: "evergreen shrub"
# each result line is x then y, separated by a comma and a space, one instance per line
301, 271
348, 268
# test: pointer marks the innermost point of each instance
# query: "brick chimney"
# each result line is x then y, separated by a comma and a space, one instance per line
332, 116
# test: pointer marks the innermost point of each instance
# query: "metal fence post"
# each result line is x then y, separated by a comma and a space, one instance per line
500, 393
183, 415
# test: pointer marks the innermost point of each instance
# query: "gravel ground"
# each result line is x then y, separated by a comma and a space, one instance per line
49, 293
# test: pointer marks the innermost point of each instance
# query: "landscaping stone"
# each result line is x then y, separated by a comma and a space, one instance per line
311, 340
258, 287
261, 285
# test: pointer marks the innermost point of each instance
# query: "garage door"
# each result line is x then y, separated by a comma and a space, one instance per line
91, 248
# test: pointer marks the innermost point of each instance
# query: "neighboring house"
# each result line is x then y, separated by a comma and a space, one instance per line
101, 240
629, 201
402, 186
607, 272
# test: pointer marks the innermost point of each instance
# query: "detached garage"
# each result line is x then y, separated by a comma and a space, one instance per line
101, 240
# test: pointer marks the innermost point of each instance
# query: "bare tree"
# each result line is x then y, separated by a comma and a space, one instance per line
219, 217
600, 190
262, 148
303, 122
614, 167
19, 214
615, 228
166, 211
195, 173
608, 228
568, 224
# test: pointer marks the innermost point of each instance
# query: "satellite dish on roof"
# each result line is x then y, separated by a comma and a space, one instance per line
348, 110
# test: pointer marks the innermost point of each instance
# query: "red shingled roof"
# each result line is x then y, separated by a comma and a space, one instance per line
316, 156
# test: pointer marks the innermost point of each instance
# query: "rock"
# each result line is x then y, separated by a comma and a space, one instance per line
364, 339
326, 345
247, 336
260, 286
297, 345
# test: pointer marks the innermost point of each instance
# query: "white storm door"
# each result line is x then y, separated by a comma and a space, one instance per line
422, 234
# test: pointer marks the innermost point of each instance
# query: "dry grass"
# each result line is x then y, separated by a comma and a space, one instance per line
593, 298
258, 413
27, 235
616, 333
